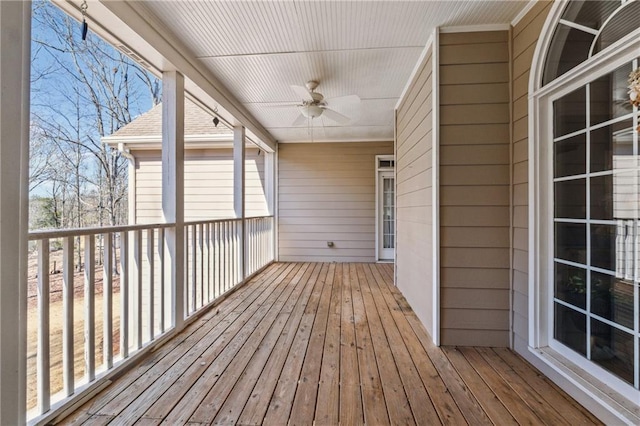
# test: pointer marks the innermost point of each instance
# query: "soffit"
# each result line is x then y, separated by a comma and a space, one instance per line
258, 49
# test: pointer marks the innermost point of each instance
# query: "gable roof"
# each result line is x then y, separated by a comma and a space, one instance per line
146, 129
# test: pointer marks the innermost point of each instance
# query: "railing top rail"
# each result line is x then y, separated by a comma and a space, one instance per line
231, 219
75, 232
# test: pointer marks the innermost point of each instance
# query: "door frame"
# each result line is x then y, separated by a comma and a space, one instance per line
380, 170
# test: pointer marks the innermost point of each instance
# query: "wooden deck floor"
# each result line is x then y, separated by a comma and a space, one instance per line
325, 343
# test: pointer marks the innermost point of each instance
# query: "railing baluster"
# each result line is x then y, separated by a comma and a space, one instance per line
200, 245
224, 261
124, 294
194, 272
255, 245
205, 262
107, 300
150, 260
67, 330
237, 247
187, 288
212, 253
89, 307
248, 247
162, 270
234, 253
218, 259
43, 368
207, 245
137, 250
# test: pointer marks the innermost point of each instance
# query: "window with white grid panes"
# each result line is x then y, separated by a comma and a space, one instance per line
596, 228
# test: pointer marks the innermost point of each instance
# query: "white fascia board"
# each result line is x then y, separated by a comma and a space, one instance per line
475, 28
163, 52
372, 140
155, 142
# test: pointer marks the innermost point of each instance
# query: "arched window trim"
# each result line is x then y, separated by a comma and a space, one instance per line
544, 42
540, 210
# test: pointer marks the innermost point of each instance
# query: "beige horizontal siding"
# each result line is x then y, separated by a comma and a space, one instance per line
327, 193
414, 173
525, 36
208, 185
474, 188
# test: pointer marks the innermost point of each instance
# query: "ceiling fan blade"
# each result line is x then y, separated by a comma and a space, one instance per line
302, 92
300, 120
343, 102
279, 104
335, 116
283, 106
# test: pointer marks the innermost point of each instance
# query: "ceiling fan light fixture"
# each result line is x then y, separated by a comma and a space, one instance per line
311, 111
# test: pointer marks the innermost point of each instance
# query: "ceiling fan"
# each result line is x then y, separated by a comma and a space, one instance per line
314, 105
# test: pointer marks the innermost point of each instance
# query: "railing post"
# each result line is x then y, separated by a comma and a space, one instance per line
238, 192
15, 39
173, 186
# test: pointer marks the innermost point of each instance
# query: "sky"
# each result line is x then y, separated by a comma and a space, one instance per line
61, 103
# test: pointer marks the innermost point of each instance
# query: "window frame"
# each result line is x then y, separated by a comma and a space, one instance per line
541, 203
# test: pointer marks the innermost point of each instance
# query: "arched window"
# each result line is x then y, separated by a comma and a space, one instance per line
587, 191
586, 28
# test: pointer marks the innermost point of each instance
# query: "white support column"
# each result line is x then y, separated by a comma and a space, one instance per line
15, 39
270, 192
173, 185
238, 191
270, 181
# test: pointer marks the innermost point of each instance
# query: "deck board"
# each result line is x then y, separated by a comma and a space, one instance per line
306, 343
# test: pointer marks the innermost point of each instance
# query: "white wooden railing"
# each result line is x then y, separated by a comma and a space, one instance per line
124, 301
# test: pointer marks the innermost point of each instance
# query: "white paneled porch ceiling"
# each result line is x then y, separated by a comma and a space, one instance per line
258, 49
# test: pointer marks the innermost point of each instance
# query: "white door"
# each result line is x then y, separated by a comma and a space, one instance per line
386, 216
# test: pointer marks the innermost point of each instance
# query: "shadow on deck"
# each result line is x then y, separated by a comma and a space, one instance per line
325, 343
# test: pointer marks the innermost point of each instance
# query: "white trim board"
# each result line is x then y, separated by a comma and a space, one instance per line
416, 68
435, 188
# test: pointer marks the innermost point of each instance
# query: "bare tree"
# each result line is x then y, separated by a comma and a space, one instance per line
85, 90
108, 85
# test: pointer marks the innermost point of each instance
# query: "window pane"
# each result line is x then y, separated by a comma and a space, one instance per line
569, 47
623, 23
571, 328
625, 195
571, 285
612, 147
612, 349
614, 197
612, 298
570, 156
571, 242
570, 199
569, 113
603, 246
591, 14
602, 197
609, 96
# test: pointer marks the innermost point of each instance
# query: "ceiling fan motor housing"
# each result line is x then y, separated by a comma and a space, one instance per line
311, 111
